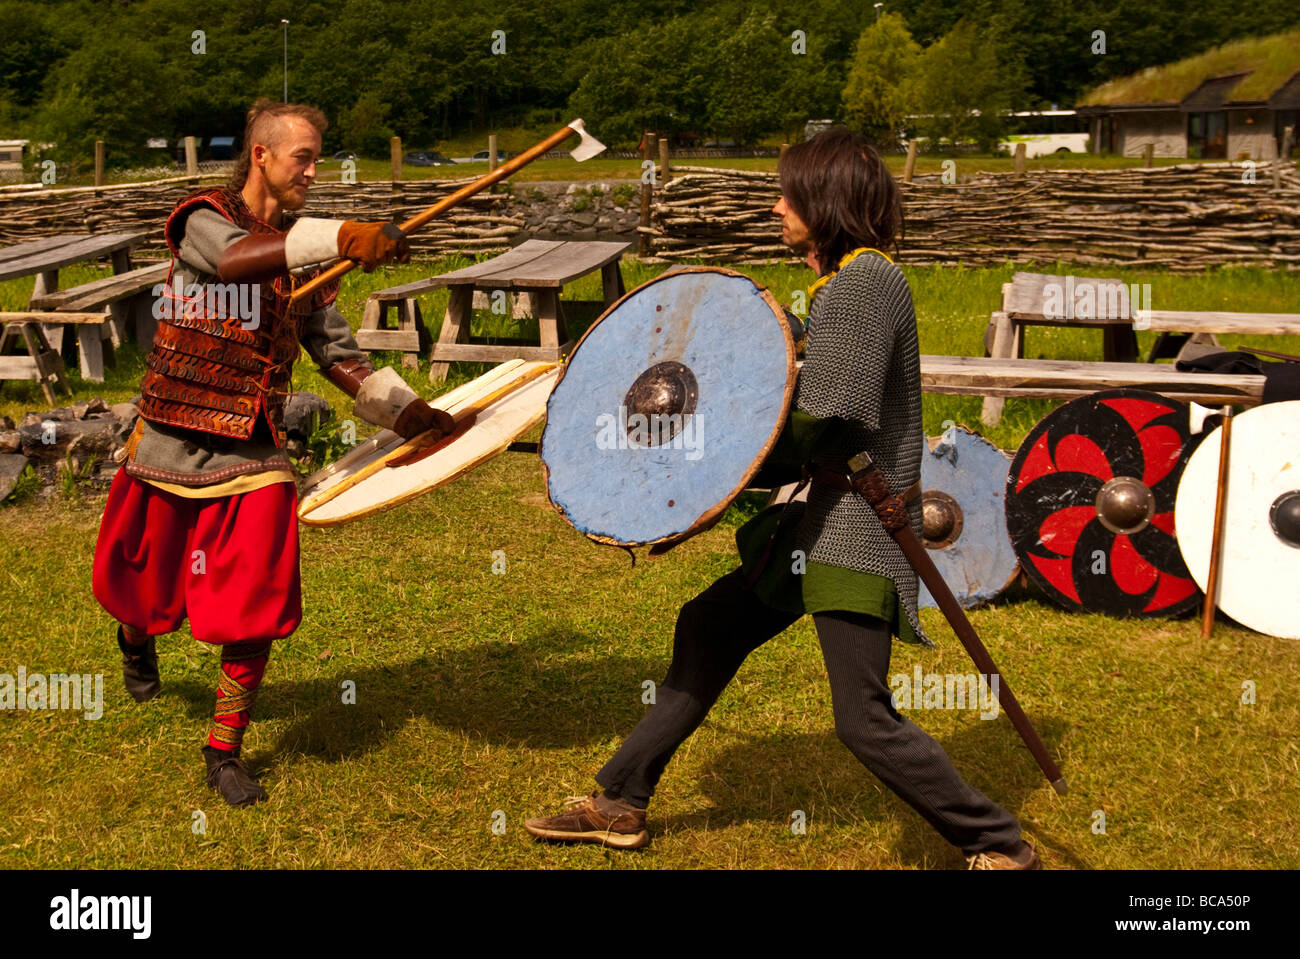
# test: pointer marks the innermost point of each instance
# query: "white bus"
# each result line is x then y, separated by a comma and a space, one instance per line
1047, 131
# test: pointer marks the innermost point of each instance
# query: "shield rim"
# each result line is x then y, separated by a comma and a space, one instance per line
710, 516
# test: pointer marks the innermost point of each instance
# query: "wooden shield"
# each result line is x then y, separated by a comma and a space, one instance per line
963, 483
1259, 578
1090, 504
667, 407
491, 412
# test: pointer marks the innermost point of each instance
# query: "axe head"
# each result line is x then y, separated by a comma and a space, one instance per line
589, 146
1198, 414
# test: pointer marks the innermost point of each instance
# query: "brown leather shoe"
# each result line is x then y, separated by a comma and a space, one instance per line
594, 818
228, 775
1022, 857
139, 668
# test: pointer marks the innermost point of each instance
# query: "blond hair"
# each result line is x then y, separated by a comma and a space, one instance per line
262, 127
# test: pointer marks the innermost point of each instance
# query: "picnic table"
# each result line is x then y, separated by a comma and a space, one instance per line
1038, 299
44, 258
536, 271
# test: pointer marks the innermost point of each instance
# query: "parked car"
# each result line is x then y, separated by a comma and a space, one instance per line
345, 155
426, 158
482, 156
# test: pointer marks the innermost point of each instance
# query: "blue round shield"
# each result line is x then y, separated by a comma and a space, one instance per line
667, 407
963, 487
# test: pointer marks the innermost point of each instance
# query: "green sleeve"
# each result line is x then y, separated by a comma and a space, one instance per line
801, 436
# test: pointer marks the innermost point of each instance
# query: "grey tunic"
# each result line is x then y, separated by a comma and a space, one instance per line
862, 365
193, 458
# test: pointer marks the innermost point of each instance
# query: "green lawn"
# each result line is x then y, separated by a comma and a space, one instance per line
479, 693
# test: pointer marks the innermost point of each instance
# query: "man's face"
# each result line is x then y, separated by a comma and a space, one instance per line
794, 232
288, 164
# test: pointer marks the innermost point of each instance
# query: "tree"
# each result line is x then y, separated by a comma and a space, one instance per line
749, 65
966, 85
882, 86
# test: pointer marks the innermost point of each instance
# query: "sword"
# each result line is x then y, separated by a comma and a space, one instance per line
868, 482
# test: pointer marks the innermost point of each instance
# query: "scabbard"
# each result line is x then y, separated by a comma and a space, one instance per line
869, 483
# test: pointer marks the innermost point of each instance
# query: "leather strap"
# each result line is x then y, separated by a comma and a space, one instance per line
349, 375
257, 257
826, 476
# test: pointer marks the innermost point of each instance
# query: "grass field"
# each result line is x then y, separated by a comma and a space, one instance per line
484, 698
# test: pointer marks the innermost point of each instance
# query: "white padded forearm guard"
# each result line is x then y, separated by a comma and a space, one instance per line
382, 397
312, 243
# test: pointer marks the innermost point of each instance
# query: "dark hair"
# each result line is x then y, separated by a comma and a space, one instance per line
838, 185
260, 126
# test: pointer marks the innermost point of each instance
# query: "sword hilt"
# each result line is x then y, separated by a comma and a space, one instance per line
869, 482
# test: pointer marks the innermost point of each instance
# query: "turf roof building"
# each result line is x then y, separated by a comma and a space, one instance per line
1233, 102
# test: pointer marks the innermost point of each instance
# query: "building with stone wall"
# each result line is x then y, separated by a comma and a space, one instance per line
1235, 102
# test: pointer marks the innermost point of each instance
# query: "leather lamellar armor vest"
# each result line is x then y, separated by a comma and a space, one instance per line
212, 368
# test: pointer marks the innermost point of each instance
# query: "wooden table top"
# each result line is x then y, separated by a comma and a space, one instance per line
52, 252
534, 264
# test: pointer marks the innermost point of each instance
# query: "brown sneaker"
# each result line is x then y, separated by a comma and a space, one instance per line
594, 818
1022, 857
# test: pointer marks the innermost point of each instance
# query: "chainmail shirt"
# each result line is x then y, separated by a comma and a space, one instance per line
862, 365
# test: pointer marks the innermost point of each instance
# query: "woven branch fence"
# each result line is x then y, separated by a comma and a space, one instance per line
1185, 218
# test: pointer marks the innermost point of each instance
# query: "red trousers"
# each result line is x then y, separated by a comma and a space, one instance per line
229, 564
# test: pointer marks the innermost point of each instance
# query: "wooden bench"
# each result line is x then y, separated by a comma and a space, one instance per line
1068, 379
536, 271
115, 300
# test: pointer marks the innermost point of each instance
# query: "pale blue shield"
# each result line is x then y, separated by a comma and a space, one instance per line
963, 486
725, 344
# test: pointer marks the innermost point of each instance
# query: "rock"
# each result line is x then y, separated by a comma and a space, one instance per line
10, 441
11, 467
80, 439
298, 414
125, 412
573, 188
90, 408
6, 423
582, 219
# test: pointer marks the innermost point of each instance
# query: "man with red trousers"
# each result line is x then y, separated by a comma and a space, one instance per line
201, 521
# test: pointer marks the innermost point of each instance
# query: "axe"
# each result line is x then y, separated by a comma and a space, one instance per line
1197, 416
868, 482
587, 148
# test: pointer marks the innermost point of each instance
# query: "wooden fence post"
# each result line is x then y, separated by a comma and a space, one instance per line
492, 152
643, 238
395, 158
99, 163
1148, 155
1020, 158
910, 166
192, 158
664, 175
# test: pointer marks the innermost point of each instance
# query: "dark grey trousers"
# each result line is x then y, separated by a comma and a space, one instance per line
719, 628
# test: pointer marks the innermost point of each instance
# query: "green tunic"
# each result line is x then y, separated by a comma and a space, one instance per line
790, 582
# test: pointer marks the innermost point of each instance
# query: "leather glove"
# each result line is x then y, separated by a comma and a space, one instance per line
419, 417
373, 243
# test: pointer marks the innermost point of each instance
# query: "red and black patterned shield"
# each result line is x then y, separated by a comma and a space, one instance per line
1090, 504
